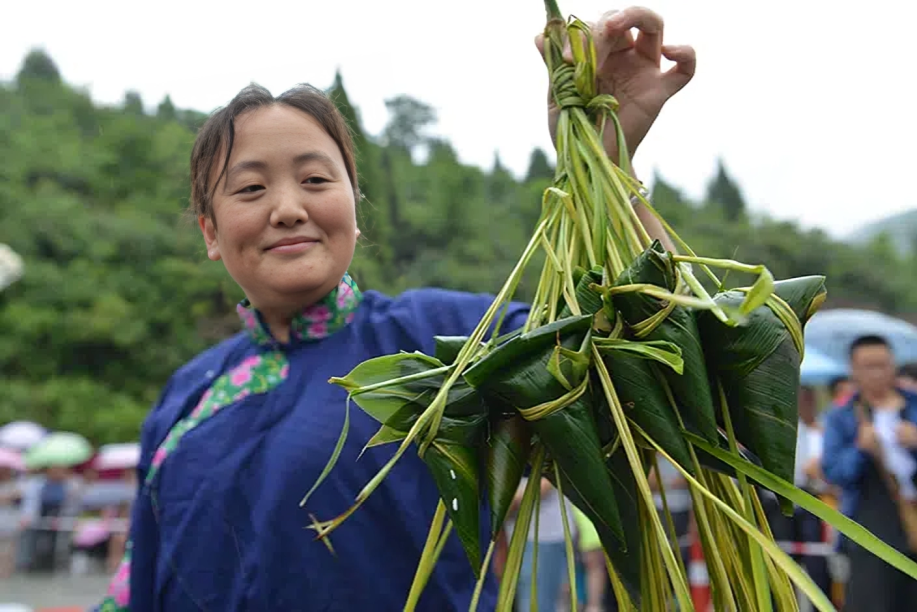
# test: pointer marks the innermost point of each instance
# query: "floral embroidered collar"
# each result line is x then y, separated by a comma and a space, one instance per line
315, 322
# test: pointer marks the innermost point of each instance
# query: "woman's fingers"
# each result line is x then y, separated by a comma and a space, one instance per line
612, 34
682, 72
649, 24
608, 38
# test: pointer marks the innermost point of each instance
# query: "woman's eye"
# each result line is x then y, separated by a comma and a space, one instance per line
315, 180
251, 189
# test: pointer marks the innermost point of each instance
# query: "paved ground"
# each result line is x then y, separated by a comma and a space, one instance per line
58, 590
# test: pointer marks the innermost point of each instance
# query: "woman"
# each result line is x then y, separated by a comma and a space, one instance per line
244, 429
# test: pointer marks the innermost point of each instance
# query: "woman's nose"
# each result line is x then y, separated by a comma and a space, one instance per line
289, 207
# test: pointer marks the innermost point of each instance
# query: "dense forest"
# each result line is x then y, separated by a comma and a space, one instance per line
118, 292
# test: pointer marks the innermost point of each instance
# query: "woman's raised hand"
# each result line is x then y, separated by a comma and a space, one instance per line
629, 68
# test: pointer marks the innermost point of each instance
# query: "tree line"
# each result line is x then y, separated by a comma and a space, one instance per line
118, 292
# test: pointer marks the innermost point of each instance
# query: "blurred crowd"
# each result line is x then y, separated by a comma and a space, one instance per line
59, 511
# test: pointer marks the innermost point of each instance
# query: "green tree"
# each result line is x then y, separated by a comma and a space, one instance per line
374, 257
724, 193
669, 201
539, 166
166, 110
133, 103
409, 120
38, 65
501, 186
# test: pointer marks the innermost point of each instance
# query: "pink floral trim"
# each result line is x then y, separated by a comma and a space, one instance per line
119, 590
315, 322
256, 374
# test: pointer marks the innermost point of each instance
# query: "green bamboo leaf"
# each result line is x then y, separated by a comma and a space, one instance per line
641, 391
396, 390
853, 530
428, 558
756, 295
710, 462
790, 567
572, 440
637, 462
508, 451
394, 384
605, 427
456, 471
692, 388
757, 364
588, 297
449, 347
519, 540
664, 352
804, 294
518, 373
461, 401
625, 555
454, 461
385, 435
335, 455
534, 347
385, 370
578, 273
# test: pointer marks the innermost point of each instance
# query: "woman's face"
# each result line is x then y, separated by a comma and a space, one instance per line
285, 222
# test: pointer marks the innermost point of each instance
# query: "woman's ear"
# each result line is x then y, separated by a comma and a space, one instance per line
359, 233
210, 237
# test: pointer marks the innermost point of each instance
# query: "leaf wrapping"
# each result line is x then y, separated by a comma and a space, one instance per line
453, 458
692, 388
757, 364
526, 373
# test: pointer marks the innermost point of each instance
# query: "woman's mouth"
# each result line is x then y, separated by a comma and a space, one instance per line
292, 245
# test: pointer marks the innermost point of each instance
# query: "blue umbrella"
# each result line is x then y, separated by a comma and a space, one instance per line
819, 369
833, 331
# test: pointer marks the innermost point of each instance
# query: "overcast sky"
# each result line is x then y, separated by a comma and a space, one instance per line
808, 103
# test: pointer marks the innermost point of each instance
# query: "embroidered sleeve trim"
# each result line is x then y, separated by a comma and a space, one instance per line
256, 374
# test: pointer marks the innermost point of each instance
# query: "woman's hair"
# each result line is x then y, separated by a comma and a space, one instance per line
218, 133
